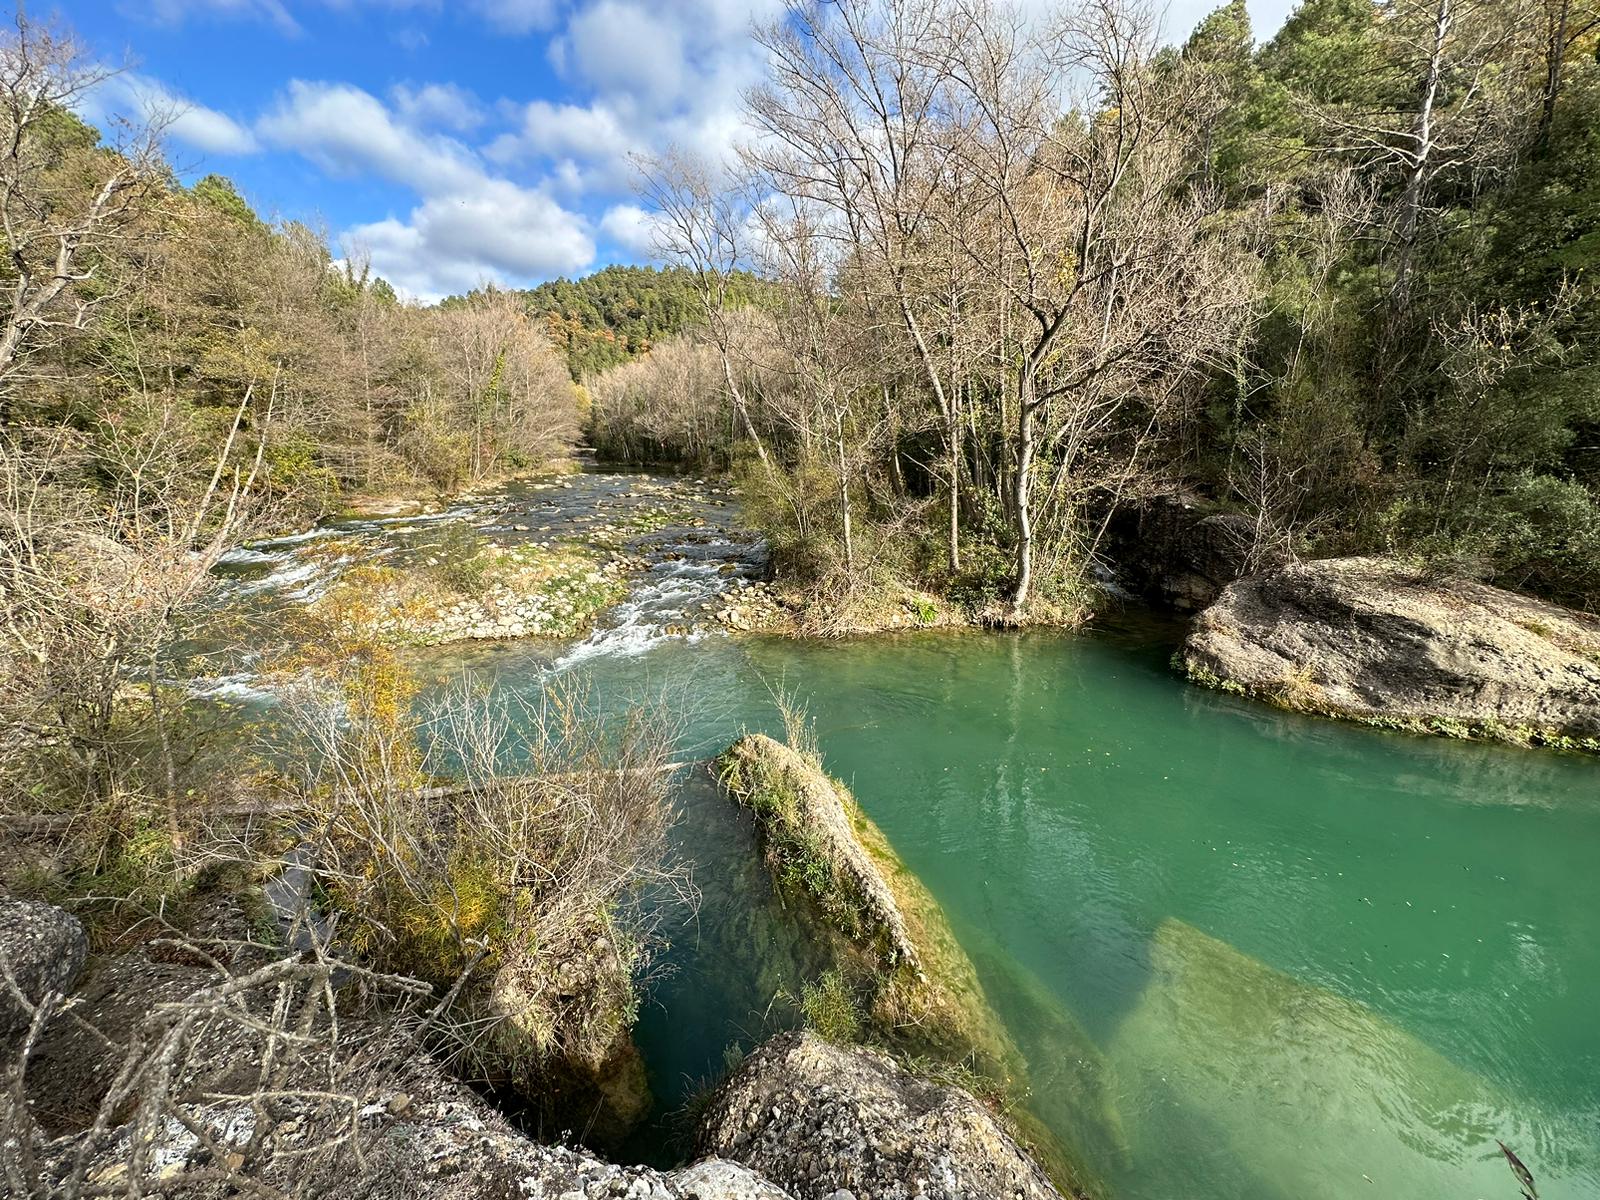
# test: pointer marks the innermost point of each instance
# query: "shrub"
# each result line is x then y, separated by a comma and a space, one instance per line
831, 1008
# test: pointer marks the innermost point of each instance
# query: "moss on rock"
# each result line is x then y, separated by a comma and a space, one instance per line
918, 992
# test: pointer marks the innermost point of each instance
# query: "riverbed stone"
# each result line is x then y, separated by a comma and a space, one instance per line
823, 1120
42, 949
1371, 640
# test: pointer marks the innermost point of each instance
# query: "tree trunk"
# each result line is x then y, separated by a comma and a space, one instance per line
737, 397
1022, 491
1554, 59
844, 493
1422, 154
953, 444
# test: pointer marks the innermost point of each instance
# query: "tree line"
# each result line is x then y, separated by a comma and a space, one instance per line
1024, 270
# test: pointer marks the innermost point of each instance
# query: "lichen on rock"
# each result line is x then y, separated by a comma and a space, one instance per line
819, 1119
42, 950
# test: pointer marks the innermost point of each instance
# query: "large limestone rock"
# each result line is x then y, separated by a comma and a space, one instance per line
42, 949
1366, 639
819, 1119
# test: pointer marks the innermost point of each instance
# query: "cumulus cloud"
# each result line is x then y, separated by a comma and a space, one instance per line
470, 225
349, 133
562, 131
501, 234
646, 74
141, 98
631, 228
441, 105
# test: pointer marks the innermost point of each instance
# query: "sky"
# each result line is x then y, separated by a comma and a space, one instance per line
451, 142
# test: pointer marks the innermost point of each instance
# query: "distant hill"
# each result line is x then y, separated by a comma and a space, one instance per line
620, 312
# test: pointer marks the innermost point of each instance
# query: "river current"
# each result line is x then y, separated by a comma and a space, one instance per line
1246, 954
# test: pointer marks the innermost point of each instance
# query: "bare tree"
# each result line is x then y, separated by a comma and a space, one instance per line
701, 226
1102, 244
850, 118
62, 199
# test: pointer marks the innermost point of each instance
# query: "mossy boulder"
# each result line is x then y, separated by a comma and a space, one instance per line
888, 935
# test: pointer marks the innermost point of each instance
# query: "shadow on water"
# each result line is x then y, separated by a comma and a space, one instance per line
730, 972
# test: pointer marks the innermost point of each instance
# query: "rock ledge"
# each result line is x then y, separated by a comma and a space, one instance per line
1368, 640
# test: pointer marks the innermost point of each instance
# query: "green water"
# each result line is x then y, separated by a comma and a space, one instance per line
1296, 958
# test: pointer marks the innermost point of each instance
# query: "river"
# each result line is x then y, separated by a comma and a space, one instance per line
1247, 954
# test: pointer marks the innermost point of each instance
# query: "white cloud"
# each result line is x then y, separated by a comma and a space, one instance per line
441, 105
469, 226
142, 99
348, 133
624, 48
175, 12
518, 16
562, 131
452, 244
632, 228
504, 16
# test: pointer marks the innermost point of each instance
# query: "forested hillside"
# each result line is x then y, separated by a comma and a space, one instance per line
1341, 283
620, 312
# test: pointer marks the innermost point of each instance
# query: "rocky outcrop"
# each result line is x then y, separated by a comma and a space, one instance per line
1369, 640
42, 951
1175, 551
890, 940
808, 828
820, 1119
801, 1118
422, 1136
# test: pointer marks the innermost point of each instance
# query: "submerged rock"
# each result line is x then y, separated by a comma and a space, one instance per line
42, 948
823, 1120
1366, 639
1286, 1088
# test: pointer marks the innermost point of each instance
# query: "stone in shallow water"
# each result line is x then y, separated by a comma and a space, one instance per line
1294, 1090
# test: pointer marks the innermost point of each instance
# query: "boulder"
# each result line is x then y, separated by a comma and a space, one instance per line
1370, 640
821, 1120
42, 948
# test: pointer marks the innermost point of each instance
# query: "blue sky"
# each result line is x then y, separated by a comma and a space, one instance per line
453, 142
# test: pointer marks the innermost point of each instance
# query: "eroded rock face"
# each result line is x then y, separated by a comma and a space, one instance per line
421, 1136
1172, 551
819, 1119
43, 948
1364, 638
